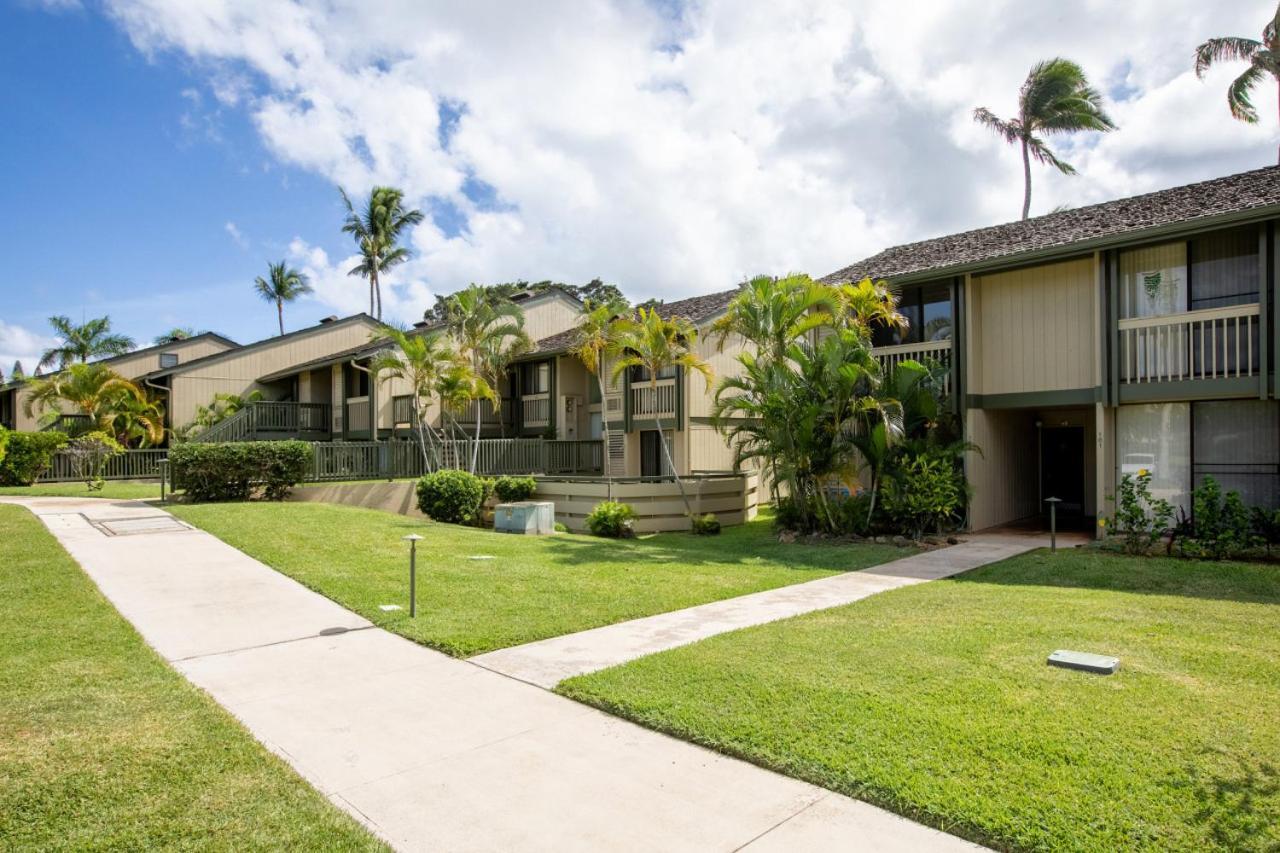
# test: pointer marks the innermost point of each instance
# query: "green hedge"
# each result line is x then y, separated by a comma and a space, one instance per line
235, 471
514, 489
454, 497
28, 455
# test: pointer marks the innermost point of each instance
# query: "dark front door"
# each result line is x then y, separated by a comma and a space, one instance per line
651, 453
1062, 470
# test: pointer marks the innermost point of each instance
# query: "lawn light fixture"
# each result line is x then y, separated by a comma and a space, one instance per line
413, 539
1053, 522
163, 465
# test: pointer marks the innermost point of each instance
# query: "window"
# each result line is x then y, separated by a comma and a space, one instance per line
928, 311
1153, 280
168, 359
1157, 438
1237, 442
1224, 268
535, 378
357, 383
640, 374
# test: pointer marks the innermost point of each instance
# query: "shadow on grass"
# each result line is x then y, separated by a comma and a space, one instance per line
1237, 809
1089, 568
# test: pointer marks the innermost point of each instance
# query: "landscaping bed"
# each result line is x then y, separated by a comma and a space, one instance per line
531, 589
103, 746
935, 701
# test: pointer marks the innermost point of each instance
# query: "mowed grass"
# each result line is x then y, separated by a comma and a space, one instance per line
111, 490
935, 701
532, 588
103, 746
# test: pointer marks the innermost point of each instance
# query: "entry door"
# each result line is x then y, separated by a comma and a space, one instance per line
653, 462
1062, 468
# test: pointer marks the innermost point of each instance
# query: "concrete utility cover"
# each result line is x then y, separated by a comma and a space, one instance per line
1084, 661
144, 524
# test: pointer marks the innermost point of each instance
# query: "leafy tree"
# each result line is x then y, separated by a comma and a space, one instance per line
1055, 98
489, 332
282, 284
593, 292
17, 374
595, 340
377, 231
775, 313
221, 407
92, 339
111, 402
656, 344
1263, 58
177, 333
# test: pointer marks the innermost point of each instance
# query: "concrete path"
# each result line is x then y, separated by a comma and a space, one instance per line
546, 663
430, 752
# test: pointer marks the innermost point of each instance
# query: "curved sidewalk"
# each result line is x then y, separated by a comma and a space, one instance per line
434, 753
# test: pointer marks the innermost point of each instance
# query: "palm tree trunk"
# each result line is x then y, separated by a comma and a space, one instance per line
604, 450
475, 448
375, 288
280, 315
1026, 178
666, 451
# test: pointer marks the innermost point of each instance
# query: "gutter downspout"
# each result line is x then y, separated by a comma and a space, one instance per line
168, 411
373, 412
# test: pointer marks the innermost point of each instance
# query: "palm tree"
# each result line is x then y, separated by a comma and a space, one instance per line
1055, 98
93, 390
17, 374
419, 360
484, 327
774, 313
135, 420
177, 333
1263, 58
376, 232
595, 339
282, 284
92, 339
655, 343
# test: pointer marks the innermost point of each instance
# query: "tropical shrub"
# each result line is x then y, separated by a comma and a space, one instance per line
613, 519
514, 489
454, 497
235, 471
1140, 519
89, 454
1222, 525
4, 442
705, 525
925, 495
1266, 526
28, 455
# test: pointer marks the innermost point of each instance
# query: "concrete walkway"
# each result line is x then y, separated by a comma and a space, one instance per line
430, 752
546, 663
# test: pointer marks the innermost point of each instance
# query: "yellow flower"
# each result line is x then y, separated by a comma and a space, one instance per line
1142, 472
1102, 522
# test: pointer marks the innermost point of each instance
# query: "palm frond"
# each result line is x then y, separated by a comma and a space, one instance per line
1224, 49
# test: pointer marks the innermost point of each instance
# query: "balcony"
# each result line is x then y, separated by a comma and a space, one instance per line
358, 417
265, 421
925, 352
650, 401
1212, 343
536, 411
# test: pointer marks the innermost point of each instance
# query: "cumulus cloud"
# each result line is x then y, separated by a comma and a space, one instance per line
675, 149
403, 298
21, 344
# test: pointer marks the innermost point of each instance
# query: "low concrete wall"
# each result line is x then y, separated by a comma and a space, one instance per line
732, 497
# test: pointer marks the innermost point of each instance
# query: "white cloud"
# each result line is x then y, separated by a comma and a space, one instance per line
403, 298
21, 344
237, 236
675, 156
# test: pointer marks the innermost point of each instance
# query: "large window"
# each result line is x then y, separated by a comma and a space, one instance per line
1210, 271
535, 378
641, 374
1157, 438
927, 308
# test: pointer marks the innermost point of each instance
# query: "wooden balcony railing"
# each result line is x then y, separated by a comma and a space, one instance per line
357, 416
536, 410
939, 351
266, 420
648, 401
1212, 343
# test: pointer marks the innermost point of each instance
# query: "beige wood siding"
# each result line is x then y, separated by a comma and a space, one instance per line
550, 316
1003, 475
1034, 329
132, 366
708, 450
699, 397
238, 372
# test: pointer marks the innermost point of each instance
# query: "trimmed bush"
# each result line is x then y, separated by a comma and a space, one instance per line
454, 497
613, 519
706, 525
233, 472
90, 454
28, 455
513, 489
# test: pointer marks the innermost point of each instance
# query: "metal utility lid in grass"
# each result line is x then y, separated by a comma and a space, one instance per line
1084, 661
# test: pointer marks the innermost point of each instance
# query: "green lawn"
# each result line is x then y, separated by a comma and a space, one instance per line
533, 588
103, 746
935, 701
111, 490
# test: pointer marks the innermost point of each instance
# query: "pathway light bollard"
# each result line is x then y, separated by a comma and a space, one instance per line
1053, 522
163, 465
413, 540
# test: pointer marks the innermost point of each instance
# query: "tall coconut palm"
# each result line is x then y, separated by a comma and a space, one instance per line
418, 360
484, 326
655, 344
1264, 63
377, 232
1055, 98
92, 339
282, 284
595, 340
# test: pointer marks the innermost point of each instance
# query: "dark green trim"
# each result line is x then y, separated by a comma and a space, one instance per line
651, 423
1037, 399
626, 399
554, 384
346, 426
1112, 269
1275, 314
1263, 354
1189, 389
681, 377
959, 345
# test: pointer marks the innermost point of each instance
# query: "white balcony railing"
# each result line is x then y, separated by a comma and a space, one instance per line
537, 410
648, 401
939, 351
1212, 343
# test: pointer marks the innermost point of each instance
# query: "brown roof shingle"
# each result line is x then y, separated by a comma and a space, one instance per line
1233, 194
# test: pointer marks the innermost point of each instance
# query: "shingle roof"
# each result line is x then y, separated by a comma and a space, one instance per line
1246, 192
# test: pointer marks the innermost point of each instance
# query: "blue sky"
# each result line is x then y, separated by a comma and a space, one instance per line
158, 154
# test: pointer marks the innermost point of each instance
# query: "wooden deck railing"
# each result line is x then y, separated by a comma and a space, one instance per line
648, 401
939, 351
536, 410
130, 465
366, 460
1212, 343
266, 420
